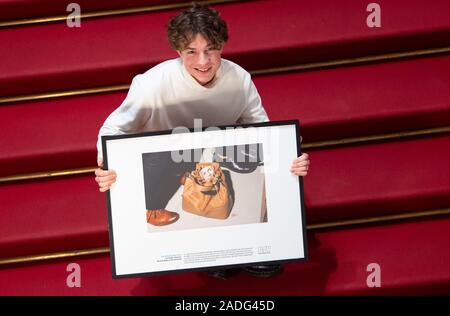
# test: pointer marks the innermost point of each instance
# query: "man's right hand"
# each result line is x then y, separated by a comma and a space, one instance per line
104, 178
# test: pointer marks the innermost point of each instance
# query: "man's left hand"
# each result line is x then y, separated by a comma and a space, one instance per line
300, 165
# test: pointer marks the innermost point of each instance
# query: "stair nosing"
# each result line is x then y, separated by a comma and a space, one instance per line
106, 13
346, 224
279, 70
313, 145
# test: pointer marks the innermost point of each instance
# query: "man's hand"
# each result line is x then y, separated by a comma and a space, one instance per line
104, 178
300, 165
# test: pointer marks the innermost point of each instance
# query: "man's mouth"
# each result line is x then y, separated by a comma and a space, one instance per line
203, 69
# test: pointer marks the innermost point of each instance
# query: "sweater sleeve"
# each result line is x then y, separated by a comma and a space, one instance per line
254, 111
129, 117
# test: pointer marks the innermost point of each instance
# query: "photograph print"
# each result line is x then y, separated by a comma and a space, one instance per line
204, 187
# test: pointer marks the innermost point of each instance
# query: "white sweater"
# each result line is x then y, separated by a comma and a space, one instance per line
167, 96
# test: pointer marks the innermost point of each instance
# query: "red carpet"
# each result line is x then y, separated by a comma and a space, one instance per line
345, 182
102, 52
331, 104
412, 262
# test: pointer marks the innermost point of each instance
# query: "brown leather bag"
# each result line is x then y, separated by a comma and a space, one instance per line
206, 198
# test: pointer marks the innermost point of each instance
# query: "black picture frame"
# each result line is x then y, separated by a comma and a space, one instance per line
128, 263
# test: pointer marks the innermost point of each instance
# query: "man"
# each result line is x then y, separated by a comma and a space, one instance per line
198, 84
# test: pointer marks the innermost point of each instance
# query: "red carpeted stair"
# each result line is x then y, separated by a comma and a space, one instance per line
403, 175
331, 104
109, 51
394, 177
337, 266
22, 9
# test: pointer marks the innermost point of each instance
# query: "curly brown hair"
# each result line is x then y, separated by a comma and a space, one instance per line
198, 19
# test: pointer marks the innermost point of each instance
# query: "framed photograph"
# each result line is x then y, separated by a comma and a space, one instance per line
204, 198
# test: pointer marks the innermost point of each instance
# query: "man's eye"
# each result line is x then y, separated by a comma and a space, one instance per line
190, 52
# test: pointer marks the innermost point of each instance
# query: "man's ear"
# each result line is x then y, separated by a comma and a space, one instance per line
179, 53
221, 49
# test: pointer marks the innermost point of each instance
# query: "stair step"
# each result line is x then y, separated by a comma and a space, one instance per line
378, 179
362, 100
412, 257
52, 215
53, 134
343, 183
54, 57
331, 104
25, 9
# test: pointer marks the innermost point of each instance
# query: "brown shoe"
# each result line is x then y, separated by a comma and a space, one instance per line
161, 217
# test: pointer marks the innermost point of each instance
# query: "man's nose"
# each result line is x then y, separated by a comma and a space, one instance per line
203, 59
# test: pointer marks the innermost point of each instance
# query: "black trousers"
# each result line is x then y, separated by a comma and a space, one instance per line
162, 178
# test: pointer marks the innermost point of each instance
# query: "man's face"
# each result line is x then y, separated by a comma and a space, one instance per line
201, 60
